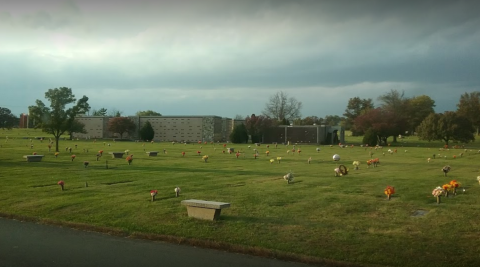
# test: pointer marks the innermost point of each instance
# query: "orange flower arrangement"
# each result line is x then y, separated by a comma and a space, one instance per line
389, 191
267, 152
56, 154
454, 185
183, 153
73, 157
129, 159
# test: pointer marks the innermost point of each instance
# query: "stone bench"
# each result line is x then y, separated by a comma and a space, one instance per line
33, 158
205, 210
152, 153
116, 155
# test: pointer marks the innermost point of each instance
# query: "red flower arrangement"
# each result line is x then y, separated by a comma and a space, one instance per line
153, 193
61, 184
198, 152
389, 191
100, 152
34, 153
73, 157
129, 159
183, 153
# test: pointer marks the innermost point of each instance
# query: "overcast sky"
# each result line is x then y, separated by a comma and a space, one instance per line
226, 58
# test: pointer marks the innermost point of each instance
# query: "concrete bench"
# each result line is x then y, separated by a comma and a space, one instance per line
116, 155
152, 153
205, 210
33, 158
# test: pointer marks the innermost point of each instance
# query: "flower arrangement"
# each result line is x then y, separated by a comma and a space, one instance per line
177, 191
85, 163
446, 169
205, 158
279, 159
356, 163
100, 152
183, 153
267, 152
199, 152
56, 154
127, 151
61, 184
454, 184
318, 149
288, 177
437, 192
129, 159
478, 179
255, 155
73, 157
375, 162
389, 191
272, 161
369, 162
153, 193
309, 160
237, 154
34, 153
446, 188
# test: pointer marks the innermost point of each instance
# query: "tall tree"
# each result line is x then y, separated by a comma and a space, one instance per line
57, 119
121, 125
115, 113
396, 104
7, 119
257, 126
239, 134
147, 113
418, 108
99, 112
469, 107
356, 107
447, 127
281, 107
147, 132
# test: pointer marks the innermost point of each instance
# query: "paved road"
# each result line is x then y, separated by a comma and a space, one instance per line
30, 244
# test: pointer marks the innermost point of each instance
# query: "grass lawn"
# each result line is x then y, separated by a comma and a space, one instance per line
318, 217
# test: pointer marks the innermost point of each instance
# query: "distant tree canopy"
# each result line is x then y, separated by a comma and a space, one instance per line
356, 107
281, 107
7, 119
257, 126
121, 125
146, 132
76, 127
99, 112
383, 123
469, 107
147, 113
447, 127
58, 119
239, 134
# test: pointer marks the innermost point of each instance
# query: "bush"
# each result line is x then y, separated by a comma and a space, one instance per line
147, 132
370, 138
239, 134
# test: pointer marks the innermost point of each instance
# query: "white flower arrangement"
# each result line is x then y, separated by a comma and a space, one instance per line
177, 191
337, 172
356, 163
438, 191
288, 177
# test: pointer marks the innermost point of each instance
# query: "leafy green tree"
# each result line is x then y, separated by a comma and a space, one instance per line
396, 104
280, 107
447, 127
469, 107
239, 134
57, 119
76, 127
384, 123
418, 109
147, 132
332, 120
147, 113
100, 112
355, 107
121, 125
7, 119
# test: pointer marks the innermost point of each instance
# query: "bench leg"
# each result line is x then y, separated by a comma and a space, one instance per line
203, 213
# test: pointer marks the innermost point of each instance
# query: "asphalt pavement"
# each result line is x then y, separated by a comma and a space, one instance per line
31, 244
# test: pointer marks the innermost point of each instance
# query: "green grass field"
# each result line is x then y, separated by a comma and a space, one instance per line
319, 217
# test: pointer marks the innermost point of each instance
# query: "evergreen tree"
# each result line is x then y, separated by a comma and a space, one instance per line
147, 132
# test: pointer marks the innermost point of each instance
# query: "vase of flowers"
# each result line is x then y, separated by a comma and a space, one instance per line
437, 192
61, 184
454, 185
356, 163
153, 193
389, 191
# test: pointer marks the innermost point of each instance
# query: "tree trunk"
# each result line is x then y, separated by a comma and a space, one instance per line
56, 143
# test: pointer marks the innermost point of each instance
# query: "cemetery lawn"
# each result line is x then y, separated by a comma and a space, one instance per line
319, 218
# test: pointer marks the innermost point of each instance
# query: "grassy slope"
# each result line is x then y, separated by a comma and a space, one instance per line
339, 218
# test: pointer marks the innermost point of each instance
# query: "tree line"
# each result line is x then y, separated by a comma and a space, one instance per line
396, 115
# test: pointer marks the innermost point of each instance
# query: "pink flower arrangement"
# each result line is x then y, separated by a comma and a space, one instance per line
61, 184
153, 193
